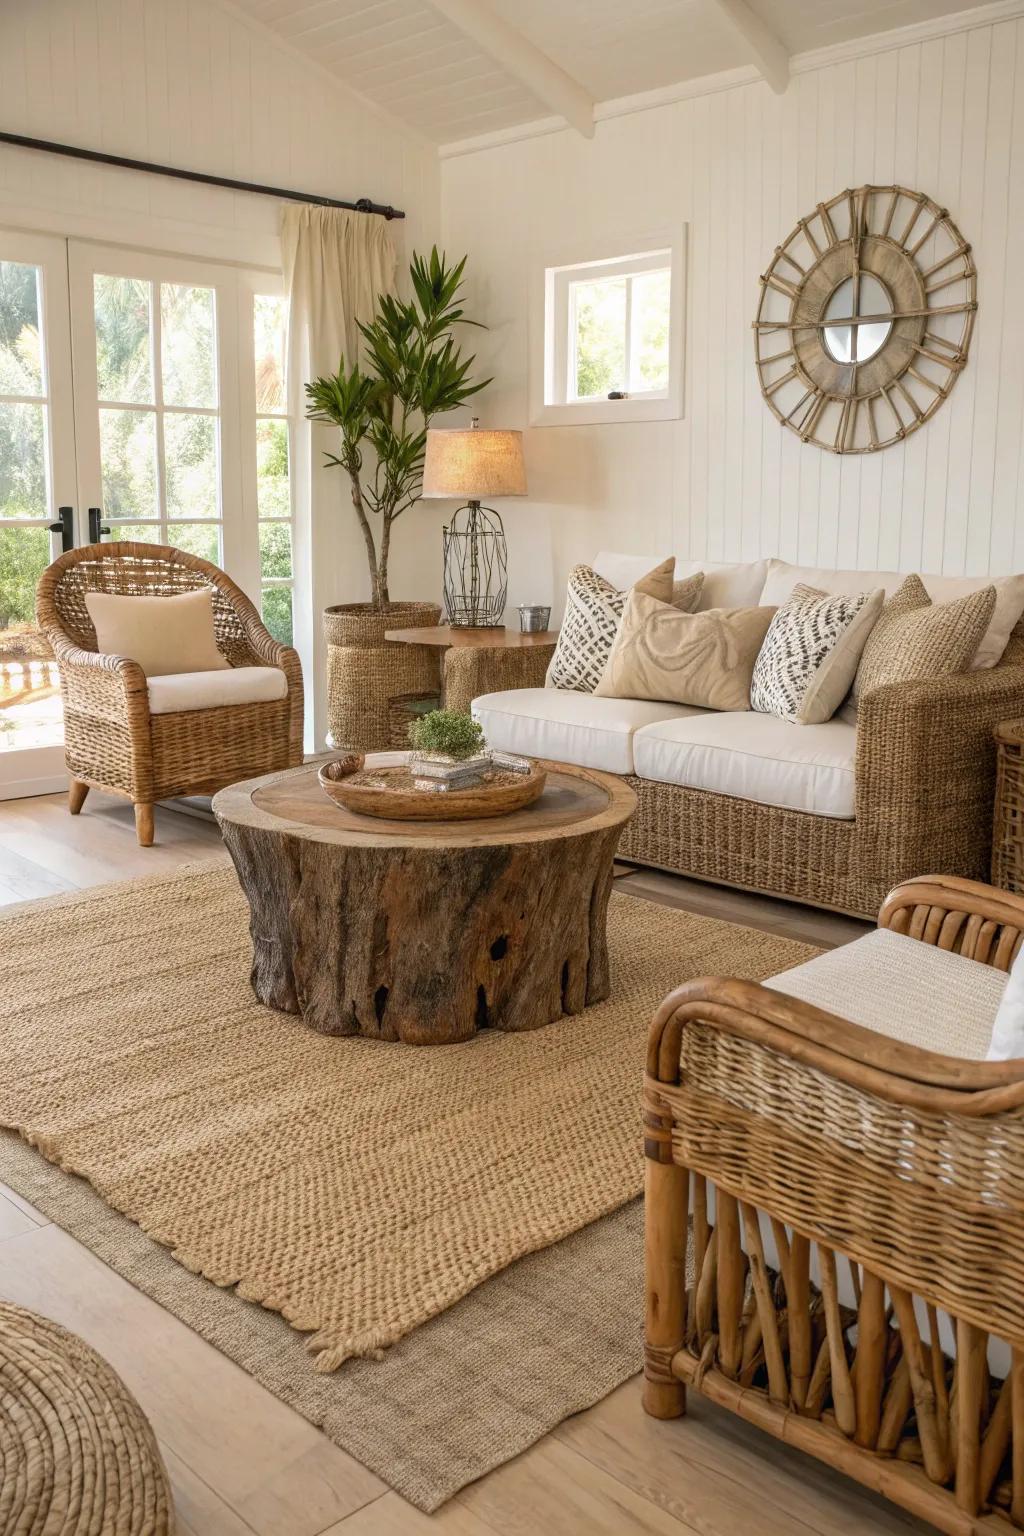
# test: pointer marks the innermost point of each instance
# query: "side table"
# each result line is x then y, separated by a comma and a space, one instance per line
480, 661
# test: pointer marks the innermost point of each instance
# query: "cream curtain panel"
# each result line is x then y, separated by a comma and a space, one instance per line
335, 264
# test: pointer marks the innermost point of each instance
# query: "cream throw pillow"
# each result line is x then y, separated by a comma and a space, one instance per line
705, 659
810, 655
593, 608
163, 634
916, 638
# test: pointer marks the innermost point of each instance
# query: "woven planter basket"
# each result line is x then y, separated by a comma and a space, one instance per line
365, 671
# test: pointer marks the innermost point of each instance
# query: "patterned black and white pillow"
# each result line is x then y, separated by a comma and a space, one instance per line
809, 658
593, 608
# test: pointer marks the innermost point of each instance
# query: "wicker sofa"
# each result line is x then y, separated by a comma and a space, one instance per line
838, 813
181, 735
835, 1209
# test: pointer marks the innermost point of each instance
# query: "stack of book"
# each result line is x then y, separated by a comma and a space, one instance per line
440, 775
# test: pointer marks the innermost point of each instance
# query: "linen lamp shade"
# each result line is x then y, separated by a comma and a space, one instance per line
474, 464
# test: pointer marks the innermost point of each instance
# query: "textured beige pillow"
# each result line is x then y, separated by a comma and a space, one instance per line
686, 594
704, 659
163, 634
810, 654
593, 608
916, 638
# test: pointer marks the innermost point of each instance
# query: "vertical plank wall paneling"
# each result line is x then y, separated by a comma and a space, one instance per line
945, 115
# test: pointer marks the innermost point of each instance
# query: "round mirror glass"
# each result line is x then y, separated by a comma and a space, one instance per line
856, 343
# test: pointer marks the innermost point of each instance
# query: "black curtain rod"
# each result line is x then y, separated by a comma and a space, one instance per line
362, 205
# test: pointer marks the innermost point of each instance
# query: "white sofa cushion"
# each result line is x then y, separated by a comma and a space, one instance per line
725, 585
783, 577
569, 727
178, 691
905, 990
754, 757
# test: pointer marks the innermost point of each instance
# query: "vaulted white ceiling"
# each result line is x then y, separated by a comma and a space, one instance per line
456, 69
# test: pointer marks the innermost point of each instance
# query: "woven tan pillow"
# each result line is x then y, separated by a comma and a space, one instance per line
163, 634
686, 594
705, 659
916, 638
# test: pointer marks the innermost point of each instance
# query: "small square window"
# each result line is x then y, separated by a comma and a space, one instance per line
611, 340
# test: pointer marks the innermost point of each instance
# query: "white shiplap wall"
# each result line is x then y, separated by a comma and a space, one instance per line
190, 83
739, 166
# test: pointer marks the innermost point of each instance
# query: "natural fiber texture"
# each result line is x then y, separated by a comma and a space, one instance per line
925, 771
549, 1336
77, 1457
365, 671
1008, 819
794, 1127
915, 638
359, 1190
110, 739
471, 670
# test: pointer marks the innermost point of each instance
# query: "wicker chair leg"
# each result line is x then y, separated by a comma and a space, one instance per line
144, 824
77, 792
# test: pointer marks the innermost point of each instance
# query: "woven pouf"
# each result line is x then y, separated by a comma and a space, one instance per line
77, 1457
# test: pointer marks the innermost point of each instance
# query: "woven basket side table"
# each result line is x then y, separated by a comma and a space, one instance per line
478, 661
1008, 813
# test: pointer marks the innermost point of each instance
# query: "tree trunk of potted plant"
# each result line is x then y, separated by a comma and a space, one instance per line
411, 371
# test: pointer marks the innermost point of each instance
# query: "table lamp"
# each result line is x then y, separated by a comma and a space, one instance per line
474, 464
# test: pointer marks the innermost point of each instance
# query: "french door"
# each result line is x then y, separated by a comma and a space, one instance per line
141, 397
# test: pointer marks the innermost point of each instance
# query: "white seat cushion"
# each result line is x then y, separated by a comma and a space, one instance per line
570, 727
212, 690
904, 989
754, 757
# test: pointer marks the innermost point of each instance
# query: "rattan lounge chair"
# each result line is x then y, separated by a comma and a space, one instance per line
113, 740
854, 1210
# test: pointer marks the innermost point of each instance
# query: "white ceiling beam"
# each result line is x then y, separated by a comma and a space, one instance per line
762, 46
522, 59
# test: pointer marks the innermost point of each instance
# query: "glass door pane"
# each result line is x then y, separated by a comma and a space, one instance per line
37, 476
154, 366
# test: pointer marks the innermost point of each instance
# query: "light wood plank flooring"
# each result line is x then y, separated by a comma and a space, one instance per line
244, 1464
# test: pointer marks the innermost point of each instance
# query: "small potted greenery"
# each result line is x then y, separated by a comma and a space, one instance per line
447, 745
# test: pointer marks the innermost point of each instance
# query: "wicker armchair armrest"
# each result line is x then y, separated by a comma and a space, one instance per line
968, 917
925, 772
104, 686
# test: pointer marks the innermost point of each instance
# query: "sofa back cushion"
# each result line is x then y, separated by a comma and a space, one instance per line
782, 577
704, 659
726, 585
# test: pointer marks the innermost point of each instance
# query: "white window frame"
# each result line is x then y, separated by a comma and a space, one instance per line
552, 402
253, 285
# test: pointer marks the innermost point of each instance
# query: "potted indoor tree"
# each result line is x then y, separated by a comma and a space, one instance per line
411, 370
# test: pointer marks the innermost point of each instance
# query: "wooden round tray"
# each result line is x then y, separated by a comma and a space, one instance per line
388, 792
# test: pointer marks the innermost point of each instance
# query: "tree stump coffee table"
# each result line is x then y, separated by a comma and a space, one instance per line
426, 931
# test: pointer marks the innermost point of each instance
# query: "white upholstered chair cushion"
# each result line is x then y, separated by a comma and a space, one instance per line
783, 577
179, 691
904, 989
569, 727
754, 757
725, 585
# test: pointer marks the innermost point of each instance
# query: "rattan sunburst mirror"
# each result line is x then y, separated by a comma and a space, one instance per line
865, 319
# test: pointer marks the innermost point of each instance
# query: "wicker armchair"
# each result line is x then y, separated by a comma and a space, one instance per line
774, 1129
112, 741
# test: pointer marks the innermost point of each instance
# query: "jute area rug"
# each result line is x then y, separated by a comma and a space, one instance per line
357, 1189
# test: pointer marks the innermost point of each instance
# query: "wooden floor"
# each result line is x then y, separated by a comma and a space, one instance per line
242, 1462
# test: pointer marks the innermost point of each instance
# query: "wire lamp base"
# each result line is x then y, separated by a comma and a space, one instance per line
475, 568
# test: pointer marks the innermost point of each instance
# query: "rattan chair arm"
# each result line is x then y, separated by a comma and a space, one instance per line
111, 687
791, 1028
933, 907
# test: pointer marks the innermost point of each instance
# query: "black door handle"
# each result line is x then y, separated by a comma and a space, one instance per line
65, 526
95, 529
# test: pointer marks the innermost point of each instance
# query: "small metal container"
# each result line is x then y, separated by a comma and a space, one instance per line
533, 618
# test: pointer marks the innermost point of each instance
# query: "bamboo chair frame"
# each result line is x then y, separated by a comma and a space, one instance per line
905, 1166
111, 740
